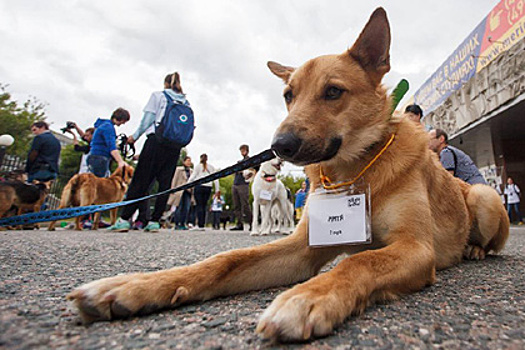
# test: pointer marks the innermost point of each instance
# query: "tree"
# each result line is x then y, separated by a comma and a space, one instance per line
17, 121
291, 182
69, 161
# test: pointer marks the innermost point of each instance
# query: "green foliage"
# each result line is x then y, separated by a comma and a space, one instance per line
17, 120
292, 183
226, 184
183, 153
69, 161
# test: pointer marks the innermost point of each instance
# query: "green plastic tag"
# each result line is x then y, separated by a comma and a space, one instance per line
398, 93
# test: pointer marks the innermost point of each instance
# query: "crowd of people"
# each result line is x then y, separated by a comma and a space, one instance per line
157, 163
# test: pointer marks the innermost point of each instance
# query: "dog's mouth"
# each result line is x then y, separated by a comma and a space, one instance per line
300, 152
269, 177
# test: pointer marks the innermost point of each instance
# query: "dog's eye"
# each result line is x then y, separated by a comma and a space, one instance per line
288, 96
332, 93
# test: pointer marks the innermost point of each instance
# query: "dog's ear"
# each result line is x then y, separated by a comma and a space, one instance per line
372, 48
281, 71
124, 172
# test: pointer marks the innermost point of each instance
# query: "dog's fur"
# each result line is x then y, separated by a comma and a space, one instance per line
423, 219
266, 180
88, 189
17, 197
283, 218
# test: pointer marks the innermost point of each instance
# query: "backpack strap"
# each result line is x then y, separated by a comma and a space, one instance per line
455, 159
168, 97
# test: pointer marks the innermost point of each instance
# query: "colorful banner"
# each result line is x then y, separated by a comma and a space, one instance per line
502, 28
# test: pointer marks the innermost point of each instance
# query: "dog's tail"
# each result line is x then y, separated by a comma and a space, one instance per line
490, 221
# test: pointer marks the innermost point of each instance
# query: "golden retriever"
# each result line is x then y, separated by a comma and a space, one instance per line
423, 219
88, 189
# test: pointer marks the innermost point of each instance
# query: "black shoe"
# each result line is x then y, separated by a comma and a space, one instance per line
237, 228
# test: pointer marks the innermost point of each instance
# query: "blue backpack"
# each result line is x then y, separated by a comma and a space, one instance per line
176, 126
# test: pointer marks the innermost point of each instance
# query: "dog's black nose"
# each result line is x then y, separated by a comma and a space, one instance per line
286, 145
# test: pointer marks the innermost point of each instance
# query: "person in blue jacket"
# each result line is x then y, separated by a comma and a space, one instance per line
104, 143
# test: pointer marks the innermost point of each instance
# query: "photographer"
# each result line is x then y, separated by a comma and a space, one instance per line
86, 136
103, 144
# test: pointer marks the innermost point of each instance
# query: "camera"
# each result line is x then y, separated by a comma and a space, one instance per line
69, 126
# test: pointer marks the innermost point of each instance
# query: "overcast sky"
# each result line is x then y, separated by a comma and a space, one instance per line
86, 58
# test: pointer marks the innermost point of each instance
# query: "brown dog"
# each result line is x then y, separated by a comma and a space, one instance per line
17, 197
423, 219
88, 189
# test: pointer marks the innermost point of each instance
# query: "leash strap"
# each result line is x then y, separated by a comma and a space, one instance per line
66, 213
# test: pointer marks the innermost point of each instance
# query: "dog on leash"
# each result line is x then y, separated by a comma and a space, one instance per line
17, 197
268, 191
88, 189
339, 123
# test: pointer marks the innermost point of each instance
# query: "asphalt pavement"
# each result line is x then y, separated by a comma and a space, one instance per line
475, 305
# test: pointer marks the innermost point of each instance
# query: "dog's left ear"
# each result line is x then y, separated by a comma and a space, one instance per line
281, 71
372, 48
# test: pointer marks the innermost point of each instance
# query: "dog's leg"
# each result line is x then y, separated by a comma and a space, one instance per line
255, 217
316, 306
96, 220
78, 227
113, 216
266, 218
278, 263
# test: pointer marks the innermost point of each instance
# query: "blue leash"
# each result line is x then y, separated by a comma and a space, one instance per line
66, 213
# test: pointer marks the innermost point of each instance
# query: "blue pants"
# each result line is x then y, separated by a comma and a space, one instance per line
41, 175
181, 214
216, 219
98, 165
516, 207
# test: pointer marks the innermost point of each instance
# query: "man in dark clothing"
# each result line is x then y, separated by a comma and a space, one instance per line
241, 195
42, 161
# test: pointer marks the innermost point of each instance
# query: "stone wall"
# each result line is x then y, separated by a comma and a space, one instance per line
496, 84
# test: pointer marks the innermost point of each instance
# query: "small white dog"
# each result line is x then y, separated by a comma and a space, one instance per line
269, 191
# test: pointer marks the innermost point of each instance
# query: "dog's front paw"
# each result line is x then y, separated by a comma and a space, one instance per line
299, 314
127, 295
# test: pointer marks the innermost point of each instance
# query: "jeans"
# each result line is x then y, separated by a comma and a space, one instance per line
216, 219
42, 175
98, 165
183, 209
202, 195
516, 207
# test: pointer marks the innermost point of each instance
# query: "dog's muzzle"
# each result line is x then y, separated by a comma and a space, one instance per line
290, 147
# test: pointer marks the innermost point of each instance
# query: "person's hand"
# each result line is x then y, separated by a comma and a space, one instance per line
131, 140
122, 164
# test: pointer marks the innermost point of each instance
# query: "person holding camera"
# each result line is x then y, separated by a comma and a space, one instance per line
104, 144
86, 136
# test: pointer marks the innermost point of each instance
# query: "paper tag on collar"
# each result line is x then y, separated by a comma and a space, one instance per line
339, 217
267, 195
